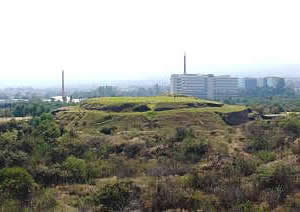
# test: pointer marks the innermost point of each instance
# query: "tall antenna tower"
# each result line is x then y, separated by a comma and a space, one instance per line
184, 58
63, 85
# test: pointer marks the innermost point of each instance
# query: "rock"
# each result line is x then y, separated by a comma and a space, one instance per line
235, 118
141, 108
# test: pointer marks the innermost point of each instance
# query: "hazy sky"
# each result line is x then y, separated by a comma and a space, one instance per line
137, 39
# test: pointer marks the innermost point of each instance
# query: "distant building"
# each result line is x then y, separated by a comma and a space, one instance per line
271, 82
205, 86
261, 83
66, 99
248, 83
274, 82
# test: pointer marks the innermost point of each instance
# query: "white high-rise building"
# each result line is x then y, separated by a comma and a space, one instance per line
205, 86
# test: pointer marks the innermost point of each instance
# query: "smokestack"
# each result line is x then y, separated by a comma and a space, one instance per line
184, 72
63, 85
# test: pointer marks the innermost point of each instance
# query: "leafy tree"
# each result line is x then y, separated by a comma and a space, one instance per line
46, 127
76, 169
16, 182
116, 196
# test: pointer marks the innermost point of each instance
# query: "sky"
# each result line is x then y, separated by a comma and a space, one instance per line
102, 40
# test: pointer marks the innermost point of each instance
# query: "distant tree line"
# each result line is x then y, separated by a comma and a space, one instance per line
107, 91
31, 108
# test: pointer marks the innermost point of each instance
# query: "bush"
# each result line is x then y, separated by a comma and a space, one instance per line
194, 150
275, 177
16, 182
245, 166
182, 133
76, 169
45, 200
116, 196
206, 182
132, 150
293, 202
258, 144
49, 175
292, 125
266, 156
274, 196
231, 195
168, 194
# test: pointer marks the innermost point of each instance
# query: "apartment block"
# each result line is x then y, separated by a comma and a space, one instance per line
205, 86
248, 83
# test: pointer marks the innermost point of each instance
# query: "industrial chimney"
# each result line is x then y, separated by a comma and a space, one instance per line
184, 71
63, 85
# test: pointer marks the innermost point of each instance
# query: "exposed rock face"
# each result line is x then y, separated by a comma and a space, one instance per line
236, 118
127, 107
141, 108
62, 109
174, 106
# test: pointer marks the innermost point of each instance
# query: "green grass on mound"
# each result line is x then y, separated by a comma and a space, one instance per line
146, 100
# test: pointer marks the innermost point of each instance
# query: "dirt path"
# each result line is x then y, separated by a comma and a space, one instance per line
15, 118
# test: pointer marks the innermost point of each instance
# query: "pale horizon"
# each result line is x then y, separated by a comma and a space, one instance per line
116, 40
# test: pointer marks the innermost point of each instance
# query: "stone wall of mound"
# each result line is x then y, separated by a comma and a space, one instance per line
236, 118
126, 107
174, 106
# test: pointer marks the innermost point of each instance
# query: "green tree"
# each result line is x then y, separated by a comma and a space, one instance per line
115, 196
76, 169
16, 183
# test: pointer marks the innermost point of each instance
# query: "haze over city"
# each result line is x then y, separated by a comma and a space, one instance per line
132, 40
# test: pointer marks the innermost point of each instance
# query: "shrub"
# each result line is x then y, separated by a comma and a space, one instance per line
182, 133
45, 200
266, 156
293, 202
168, 194
231, 195
194, 150
76, 169
244, 166
274, 196
275, 177
292, 125
206, 182
205, 202
258, 144
132, 150
49, 175
16, 182
116, 196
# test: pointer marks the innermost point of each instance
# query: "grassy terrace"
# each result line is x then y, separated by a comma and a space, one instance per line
146, 100
223, 109
178, 104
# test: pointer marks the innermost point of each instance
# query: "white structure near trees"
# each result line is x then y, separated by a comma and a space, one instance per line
205, 86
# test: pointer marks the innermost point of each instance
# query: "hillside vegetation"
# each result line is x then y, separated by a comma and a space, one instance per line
90, 159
